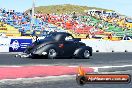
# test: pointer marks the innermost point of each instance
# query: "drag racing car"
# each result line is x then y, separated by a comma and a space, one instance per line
58, 45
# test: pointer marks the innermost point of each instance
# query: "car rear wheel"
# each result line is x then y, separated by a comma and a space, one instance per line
82, 54
52, 54
86, 54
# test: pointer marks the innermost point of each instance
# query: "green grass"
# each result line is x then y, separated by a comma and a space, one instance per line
66, 8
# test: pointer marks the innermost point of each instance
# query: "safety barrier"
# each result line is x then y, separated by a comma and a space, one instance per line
19, 45
4, 44
109, 46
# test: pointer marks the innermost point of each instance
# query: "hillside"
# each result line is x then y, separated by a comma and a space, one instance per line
66, 8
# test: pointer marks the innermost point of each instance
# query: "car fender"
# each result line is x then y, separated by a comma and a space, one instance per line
46, 48
80, 50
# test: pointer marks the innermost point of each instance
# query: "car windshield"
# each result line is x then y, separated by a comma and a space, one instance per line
69, 38
38, 42
50, 36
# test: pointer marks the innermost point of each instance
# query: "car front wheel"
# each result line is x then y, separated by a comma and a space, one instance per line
52, 54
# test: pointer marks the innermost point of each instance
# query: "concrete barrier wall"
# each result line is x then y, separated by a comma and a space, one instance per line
97, 45
109, 46
4, 44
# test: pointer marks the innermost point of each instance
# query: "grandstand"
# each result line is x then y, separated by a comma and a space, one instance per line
9, 30
18, 24
94, 24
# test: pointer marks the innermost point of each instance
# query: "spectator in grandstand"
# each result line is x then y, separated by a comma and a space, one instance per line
110, 36
2, 25
100, 25
47, 17
105, 28
0, 11
88, 36
3, 10
74, 16
93, 30
3, 35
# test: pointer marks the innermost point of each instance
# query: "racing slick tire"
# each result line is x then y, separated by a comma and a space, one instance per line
83, 53
52, 53
86, 54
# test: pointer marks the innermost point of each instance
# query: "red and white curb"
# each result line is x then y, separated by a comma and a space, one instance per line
14, 72
49, 71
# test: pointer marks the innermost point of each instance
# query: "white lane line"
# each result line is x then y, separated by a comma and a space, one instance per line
72, 66
124, 72
95, 69
114, 66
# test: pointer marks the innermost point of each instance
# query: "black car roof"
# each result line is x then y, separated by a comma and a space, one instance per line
60, 36
62, 33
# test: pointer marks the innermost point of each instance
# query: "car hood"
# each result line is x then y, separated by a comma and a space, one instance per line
40, 43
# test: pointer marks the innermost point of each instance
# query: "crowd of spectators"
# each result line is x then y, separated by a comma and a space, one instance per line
21, 21
89, 23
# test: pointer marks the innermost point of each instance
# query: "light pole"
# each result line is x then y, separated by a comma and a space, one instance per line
32, 16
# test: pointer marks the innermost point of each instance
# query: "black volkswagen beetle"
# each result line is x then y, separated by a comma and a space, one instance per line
59, 45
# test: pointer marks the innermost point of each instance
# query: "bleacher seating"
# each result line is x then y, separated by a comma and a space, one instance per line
17, 23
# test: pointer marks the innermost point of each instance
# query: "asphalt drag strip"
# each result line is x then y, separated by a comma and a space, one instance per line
65, 81
108, 63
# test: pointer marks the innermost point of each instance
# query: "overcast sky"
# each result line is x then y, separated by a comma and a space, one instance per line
121, 6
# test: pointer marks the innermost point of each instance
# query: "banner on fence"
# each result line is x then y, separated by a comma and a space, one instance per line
19, 45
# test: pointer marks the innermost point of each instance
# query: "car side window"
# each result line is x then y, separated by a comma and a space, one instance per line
68, 38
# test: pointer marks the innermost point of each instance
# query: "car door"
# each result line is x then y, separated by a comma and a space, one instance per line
69, 46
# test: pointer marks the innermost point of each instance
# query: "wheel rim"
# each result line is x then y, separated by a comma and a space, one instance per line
52, 53
86, 54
